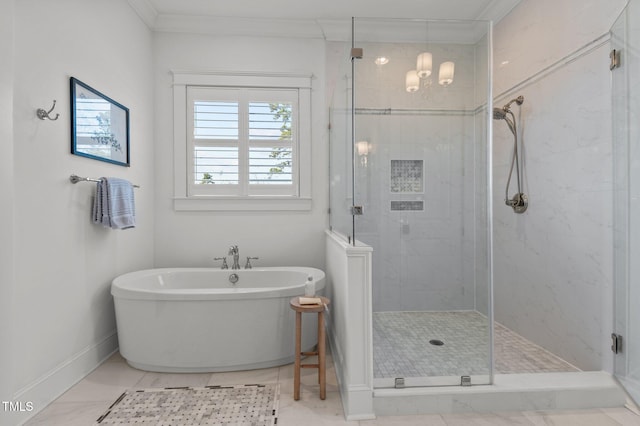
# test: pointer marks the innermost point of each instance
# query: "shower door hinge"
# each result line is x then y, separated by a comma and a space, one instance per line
616, 344
465, 380
615, 59
356, 53
356, 210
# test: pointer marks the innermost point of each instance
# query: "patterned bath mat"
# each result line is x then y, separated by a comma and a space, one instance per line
254, 405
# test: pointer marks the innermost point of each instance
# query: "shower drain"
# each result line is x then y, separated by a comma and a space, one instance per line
436, 342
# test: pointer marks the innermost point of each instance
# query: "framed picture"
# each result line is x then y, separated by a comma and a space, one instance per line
99, 125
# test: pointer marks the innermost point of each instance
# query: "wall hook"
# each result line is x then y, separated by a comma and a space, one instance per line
44, 115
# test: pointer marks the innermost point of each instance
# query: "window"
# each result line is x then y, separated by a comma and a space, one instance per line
246, 147
243, 141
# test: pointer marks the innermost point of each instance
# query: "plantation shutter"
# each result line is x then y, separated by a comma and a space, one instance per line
243, 141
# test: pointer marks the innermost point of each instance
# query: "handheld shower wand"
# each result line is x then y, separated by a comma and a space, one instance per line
519, 201
519, 100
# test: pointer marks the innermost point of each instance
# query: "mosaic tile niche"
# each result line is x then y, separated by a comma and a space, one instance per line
407, 176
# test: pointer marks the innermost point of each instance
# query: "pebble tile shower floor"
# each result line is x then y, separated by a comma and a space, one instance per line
402, 348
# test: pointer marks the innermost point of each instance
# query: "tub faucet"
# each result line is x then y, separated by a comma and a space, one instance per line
224, 262
248, 264
233, 251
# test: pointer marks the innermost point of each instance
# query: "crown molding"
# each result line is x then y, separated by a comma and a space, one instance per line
225, 26
496, 10
145, 11
328, 29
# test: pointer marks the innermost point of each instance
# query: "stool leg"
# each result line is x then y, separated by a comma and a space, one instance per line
296, 368
321, 353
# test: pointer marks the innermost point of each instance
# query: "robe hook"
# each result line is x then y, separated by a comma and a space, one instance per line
44, 115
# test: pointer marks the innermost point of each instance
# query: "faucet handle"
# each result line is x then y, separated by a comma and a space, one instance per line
224, 262
248, 264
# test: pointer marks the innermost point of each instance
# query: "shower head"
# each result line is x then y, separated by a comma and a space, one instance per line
499, 114
519, 100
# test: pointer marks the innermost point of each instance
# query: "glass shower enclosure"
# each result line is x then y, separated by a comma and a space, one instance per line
625, 42
410, 177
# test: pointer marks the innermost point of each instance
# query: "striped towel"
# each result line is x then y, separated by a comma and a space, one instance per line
113, 205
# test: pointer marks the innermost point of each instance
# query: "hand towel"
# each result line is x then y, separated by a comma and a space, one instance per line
114, 204
309, 300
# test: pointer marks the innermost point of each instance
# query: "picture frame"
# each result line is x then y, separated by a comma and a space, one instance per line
99, 125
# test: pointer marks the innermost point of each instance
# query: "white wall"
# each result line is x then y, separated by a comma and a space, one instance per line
6, 203
189, 238
553, 264
63, 318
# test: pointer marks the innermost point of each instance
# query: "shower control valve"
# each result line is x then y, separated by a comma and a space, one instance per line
518, 203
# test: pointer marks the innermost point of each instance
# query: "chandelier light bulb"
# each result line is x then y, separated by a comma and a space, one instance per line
424, 64
445, 76
412, 81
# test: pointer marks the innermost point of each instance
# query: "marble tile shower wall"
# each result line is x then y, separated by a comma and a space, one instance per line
553, 264
419, 254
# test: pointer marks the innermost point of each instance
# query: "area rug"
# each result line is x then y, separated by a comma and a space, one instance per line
254, 405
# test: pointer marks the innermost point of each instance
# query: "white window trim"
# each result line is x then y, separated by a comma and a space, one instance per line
182, 201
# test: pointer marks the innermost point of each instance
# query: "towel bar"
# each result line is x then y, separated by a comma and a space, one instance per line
76, 179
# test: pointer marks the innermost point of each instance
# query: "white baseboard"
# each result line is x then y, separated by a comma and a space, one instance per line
44, 390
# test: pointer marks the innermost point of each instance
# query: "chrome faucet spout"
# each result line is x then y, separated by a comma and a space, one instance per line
235, 252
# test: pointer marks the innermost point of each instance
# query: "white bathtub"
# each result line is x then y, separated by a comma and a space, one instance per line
196, 320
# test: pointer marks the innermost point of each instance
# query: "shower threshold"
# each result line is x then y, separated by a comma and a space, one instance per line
510, 392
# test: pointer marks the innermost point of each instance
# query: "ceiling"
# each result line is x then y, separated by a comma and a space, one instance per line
302, 18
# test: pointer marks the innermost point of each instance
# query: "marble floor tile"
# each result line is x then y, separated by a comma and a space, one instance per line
623, 416
310, 410
425, 419
249, 377
585, 417
69, 414
105, 383
487, 419
308, 378
85, 402
165, 380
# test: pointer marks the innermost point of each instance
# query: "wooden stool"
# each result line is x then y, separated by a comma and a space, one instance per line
300, 309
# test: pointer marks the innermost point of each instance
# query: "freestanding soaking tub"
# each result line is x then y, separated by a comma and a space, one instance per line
199, 320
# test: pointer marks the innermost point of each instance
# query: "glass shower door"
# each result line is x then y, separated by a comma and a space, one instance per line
625, 42
420, 176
